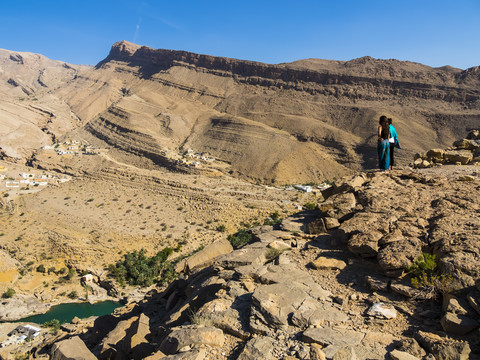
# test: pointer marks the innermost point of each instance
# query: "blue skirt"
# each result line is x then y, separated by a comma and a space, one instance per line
383, 148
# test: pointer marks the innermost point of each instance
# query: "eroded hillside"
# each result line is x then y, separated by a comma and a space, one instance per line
308, 120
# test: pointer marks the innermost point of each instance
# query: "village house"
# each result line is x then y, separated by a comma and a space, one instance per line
20, 334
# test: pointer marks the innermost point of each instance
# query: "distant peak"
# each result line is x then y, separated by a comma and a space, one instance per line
126, 47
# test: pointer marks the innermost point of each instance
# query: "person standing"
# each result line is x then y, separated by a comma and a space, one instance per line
393, 140
383, 145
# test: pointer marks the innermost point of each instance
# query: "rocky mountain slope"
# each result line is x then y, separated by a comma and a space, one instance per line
329, 283
298, 122
30, 115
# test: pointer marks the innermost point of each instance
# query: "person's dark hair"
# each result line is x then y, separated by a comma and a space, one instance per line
390, 121
385, 127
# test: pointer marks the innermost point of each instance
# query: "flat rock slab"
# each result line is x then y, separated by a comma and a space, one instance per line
328, 263
274, 303
333, 336
73, 348
314, 313
401, 355
294, 278
191, 335
258, 348
206, 256
252, 254
270, 236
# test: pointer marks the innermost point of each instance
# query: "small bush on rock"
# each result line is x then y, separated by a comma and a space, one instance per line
425, 275
53, 324
9, 293
240, 238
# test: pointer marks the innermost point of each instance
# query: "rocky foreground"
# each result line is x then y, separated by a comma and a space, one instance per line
329, 283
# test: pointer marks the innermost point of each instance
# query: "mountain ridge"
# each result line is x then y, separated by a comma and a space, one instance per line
311, 109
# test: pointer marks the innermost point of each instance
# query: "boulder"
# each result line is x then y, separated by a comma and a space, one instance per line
458, 156
317, 226
399, 254
435, 155
458, 324
331, 223
454, 305
136, 338
467, 144
111, 344
191, 335
365, 244
382, 311
275, 303
443, 348
313, 313
223, 314
297, 223
257, 348
409, 291
323, 262
71, 349
251, 254
316, 352
205, 257
473, 135
339, 205
410, 346
279, 245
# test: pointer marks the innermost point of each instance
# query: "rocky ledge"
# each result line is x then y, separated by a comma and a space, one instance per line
329, 283
462, 152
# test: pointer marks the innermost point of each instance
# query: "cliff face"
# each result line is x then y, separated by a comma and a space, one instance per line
389, 77
303, 121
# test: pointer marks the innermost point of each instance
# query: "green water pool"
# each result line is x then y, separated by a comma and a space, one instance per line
66, 312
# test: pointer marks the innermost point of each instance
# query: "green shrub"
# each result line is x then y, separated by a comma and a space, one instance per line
53, 324
425, 275
240, 238
41, 268
221, 228
309, 206
9, 293
274, 219
271, 254
138, 269
73, 295
71, 273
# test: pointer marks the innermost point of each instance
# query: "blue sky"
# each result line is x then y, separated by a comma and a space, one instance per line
432, 32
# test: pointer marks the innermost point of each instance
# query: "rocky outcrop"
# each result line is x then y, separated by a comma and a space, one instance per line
463, 152
71, 349
281, 302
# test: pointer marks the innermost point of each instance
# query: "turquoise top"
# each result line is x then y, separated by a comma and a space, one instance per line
393, 133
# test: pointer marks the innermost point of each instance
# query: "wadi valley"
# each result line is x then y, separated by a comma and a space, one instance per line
261, 180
